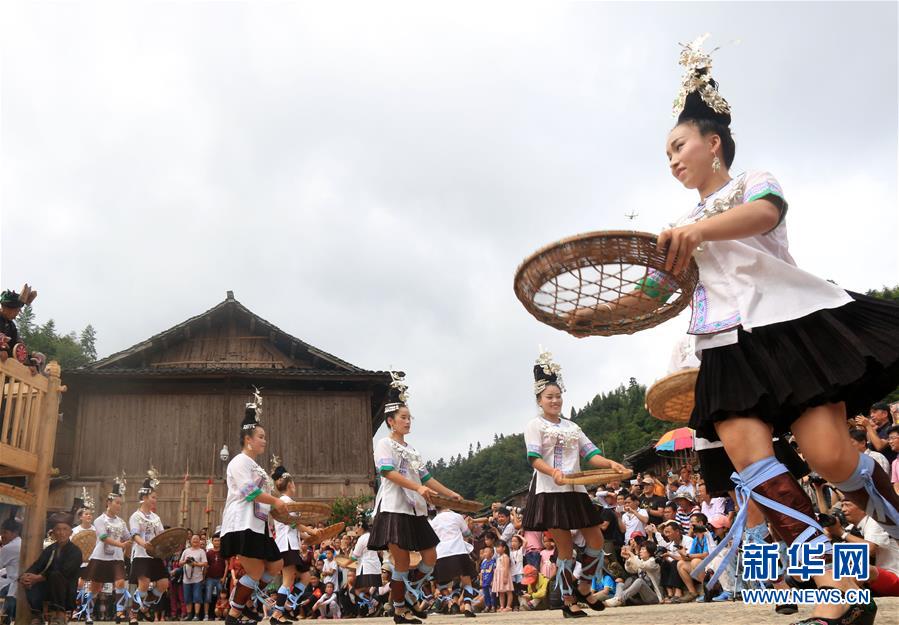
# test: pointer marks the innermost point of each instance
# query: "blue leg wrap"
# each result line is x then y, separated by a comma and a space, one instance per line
87, 604
878, 508
124, 596
400, 576
746, 481
563, 581
592, 559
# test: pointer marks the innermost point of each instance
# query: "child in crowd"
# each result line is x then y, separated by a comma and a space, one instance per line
488, 566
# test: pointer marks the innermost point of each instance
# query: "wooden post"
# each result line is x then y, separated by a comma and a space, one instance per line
39, 485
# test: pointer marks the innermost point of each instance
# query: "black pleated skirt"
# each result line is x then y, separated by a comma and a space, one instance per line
250, 544
104, 571
292, 557
716, 468
449, 568
409, 532
367, 581
566, 511
151, 568
776, 372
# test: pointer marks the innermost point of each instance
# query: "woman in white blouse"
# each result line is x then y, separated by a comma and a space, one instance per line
296, 569
245, 530
781, 349
556, 446
400, 521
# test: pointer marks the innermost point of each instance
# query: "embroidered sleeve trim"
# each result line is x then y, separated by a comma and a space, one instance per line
590, 454
425, 477
386, 467
256, 492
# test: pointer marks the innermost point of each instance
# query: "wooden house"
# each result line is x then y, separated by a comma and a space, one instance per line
175, 401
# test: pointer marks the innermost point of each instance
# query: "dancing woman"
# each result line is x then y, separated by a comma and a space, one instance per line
245, 530
556, 446
295, 571
400, 521
107, 562
145, 525
781, 348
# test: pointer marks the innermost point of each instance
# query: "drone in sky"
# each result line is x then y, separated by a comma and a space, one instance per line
632, 215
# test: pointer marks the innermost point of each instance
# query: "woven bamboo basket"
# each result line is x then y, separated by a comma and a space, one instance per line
86, 541
459, 505
305, 512
167, 543
570, 285
596, 476
327, 533
671, 398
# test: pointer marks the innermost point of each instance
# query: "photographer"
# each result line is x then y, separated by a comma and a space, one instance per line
507, 524
677, 547
646, 587
194, 563
884, 580
700, 547
876, 425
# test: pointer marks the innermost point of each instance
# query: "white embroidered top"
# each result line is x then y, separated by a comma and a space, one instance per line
109, 527
391, 455
286, 536
246, 481
147, 526
561, 445
750, 282
451, 529
369, 560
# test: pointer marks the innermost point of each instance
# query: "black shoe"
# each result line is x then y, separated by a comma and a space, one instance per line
454, 609
468, 613
118, 619
787, 608
855, 615
251, 614
405, 618
569, 613
231, 620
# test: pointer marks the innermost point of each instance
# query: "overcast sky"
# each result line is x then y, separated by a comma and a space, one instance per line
367, 176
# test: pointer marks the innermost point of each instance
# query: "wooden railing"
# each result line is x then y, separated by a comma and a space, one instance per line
29, 413
21, 411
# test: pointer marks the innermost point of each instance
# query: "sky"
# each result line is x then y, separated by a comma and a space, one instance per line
368, 176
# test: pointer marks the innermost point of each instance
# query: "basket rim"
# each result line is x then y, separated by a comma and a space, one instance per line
523, 286
667, 388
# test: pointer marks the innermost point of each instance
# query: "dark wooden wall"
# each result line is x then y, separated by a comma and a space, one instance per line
314, 432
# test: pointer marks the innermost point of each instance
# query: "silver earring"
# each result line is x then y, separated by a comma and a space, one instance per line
716, 164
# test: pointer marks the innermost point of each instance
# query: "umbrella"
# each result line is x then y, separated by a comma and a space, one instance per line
676, 440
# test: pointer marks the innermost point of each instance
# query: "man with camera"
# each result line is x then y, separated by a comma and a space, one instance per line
860, 528
194, 562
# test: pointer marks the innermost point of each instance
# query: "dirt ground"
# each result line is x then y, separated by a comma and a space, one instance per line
731, 613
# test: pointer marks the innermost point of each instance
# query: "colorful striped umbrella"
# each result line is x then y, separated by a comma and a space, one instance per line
676, 440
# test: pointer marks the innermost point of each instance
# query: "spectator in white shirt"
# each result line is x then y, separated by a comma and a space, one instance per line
329, 567
9, 563
633, 517
327, 605
884, 579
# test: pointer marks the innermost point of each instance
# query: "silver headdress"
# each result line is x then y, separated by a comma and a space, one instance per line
150, 483
397, 394
87, 502
119, 486
253, 411
697, 77
547, 372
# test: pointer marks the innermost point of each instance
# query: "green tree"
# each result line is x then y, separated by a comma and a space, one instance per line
88, 342
69, 350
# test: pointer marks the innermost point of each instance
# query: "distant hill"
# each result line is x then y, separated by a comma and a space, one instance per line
617, 422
